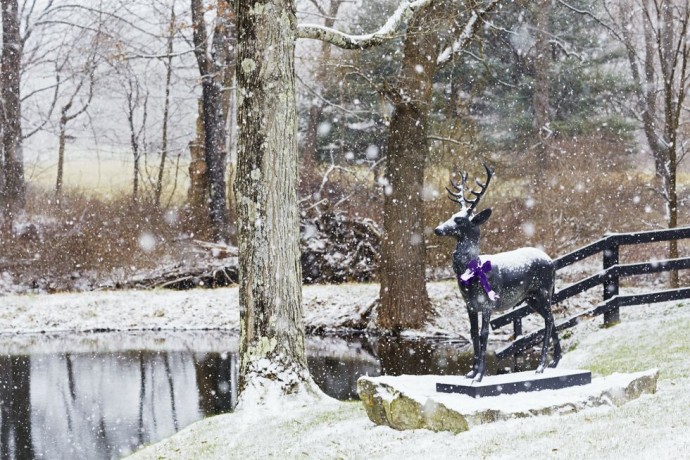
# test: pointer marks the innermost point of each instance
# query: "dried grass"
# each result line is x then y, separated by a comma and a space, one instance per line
89, 235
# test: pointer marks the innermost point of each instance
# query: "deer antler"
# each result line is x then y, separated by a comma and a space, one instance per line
459, 197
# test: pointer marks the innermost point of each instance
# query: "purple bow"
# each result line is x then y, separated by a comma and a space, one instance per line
475, 270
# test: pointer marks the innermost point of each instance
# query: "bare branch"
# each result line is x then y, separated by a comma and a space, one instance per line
447, 139
346, 41
323, 99
462, 41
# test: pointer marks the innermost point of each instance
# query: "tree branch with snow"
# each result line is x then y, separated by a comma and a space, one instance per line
347, 41
467, 33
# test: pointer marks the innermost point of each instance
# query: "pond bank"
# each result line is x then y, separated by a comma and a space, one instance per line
327, 309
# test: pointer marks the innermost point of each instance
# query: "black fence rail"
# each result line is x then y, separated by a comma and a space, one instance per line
608, 277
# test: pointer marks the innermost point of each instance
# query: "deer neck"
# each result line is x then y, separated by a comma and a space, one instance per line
464, 253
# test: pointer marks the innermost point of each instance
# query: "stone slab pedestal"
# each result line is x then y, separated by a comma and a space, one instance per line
412, 402
518, 382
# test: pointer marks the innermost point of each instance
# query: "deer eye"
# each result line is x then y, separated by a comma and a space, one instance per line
458, 220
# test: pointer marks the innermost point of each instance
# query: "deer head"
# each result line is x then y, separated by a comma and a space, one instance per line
463, 225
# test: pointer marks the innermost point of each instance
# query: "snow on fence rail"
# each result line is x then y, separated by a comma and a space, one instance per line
609, 278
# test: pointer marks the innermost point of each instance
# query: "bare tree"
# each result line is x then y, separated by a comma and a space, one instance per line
73, 108
172, 26
542, 64
659, 62
316, 107
136, 111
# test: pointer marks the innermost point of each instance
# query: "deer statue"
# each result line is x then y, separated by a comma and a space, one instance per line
496, 282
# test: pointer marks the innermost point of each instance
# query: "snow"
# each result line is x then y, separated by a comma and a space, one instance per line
309, 424
653, 426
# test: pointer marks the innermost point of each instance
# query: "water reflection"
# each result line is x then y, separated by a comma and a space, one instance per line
88, 403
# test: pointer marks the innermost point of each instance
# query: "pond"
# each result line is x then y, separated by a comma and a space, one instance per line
101, 396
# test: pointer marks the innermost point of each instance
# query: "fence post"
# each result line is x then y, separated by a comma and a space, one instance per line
611, 317
517, 327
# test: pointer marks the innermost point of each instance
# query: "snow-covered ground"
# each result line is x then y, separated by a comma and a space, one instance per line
653, 426
326, 308
649, 336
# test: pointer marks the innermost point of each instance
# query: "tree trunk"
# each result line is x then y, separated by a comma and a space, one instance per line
213, 122
14, 190
197, 195
309, 157
404, 301
541, 99
61, 159
272, 327
134, 144
166, 107
215, 156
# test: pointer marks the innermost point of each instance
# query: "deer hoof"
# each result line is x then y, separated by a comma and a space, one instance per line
540, 369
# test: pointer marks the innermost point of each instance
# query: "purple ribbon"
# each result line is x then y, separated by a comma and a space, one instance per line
476, 270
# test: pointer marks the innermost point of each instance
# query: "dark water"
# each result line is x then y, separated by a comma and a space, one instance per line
104, 404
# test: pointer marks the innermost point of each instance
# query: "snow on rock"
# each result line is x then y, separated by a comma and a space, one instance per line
412, 402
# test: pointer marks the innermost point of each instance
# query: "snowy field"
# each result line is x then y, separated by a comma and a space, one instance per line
654, 426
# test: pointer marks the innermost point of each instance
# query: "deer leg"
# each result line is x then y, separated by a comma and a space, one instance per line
483, 342
544, 310
557, 352
474, 336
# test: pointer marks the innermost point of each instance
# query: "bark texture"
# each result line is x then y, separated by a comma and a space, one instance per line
404, 301
272, 326
13, 191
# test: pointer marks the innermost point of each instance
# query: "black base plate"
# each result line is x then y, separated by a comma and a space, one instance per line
520, 382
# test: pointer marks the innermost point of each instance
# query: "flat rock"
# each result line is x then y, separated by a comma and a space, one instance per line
410, 402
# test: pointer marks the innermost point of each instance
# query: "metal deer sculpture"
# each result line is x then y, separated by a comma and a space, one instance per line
496, 282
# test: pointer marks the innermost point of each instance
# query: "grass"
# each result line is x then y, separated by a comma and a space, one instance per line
648, 336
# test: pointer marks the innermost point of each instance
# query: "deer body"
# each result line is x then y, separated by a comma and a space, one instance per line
509, 278
515, 276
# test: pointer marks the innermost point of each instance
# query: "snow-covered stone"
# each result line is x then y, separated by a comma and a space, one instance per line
412, 402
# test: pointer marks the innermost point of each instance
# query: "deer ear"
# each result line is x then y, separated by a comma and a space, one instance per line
482, 217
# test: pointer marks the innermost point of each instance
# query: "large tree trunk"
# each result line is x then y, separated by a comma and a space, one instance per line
272, 327
404, 301
14, 190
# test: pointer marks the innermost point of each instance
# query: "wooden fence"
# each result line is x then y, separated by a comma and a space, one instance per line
609, 247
